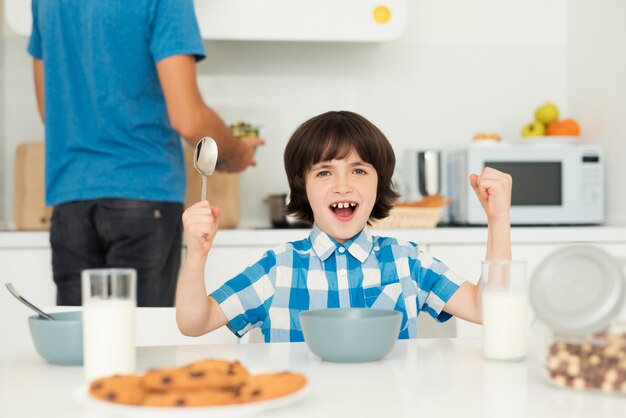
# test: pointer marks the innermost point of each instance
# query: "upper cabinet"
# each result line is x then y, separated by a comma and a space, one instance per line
301, 20
277, 20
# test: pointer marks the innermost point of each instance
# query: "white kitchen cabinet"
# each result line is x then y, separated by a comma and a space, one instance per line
224, 263
277, 20
30, 271
302, 20
25, 258
466, 260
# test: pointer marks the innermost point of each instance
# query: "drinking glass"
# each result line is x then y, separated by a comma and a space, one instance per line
109, 303
505, 306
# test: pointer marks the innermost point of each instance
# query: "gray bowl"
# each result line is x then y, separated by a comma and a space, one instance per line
59, 341
350, 335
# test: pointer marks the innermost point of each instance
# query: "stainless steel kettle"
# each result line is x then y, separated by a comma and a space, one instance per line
277, 210
429, 172
424, 173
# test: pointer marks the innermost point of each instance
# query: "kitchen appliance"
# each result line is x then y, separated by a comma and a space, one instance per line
426, 176
553, 184
278, 215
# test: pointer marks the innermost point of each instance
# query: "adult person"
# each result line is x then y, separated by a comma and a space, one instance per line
116, 88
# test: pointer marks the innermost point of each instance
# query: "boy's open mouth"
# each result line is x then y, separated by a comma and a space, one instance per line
343, 210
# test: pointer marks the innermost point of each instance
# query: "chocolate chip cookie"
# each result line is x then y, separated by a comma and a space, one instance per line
206, 374
124, 389
204, 397
269, 386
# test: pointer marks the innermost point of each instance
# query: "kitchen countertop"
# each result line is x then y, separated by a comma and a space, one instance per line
419, 378
456, 235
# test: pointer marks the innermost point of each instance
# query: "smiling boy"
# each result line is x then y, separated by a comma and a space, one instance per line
339, 168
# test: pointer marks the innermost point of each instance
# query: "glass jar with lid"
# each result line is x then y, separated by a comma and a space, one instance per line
577, 294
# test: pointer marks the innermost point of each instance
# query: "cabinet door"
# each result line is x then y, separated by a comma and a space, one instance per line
30, 271
224, 263
466, 260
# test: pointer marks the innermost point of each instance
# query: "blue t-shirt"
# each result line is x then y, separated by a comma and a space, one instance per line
108, 134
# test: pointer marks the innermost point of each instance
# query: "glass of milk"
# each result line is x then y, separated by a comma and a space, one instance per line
109, 303
505, 306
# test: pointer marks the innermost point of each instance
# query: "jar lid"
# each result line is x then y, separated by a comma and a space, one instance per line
578, 290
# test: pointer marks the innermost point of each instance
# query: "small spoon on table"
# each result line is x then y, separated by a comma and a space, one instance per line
27, 303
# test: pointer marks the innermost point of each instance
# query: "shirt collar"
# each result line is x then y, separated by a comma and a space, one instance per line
359, 246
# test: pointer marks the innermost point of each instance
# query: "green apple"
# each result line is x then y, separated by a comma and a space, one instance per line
533, 129
547, 113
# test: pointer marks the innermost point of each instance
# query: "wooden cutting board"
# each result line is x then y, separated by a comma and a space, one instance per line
31, 213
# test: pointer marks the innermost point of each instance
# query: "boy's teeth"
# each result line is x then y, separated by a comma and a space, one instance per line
343, 205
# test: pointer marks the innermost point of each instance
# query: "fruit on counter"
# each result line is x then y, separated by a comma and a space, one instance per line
547, 113
244, 129
533, 129
547, 123
566, 127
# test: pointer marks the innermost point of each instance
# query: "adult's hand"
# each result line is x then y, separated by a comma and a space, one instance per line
193, 119
241, 156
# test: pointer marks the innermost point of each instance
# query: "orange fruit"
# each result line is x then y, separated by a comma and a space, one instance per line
565, 127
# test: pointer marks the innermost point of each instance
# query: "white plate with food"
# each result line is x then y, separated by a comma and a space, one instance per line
96, 405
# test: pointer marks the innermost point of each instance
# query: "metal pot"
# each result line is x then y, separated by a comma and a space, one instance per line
278, 215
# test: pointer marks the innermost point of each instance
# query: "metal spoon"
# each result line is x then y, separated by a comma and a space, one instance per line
27, 303
205, 159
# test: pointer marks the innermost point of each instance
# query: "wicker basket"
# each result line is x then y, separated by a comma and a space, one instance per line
408, 217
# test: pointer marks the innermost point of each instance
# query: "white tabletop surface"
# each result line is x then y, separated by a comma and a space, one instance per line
419, 378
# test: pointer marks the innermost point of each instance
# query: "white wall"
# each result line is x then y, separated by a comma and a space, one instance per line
462, 66
597, 87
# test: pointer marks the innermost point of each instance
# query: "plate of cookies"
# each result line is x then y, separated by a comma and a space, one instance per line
207, 388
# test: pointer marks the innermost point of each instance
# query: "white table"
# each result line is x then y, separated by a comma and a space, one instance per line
419, 378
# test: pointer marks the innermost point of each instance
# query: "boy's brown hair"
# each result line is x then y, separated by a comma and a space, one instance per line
329, 136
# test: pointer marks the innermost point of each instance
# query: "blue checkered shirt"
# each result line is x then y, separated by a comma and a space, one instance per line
318, 272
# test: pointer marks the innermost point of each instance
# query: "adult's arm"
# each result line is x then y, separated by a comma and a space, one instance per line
39, 87
193, 119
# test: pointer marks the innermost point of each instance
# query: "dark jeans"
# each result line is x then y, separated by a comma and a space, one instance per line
139, 234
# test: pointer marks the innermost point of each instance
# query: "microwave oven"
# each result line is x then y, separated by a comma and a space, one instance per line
553, 184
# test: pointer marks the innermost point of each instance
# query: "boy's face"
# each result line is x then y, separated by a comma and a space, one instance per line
342, 194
